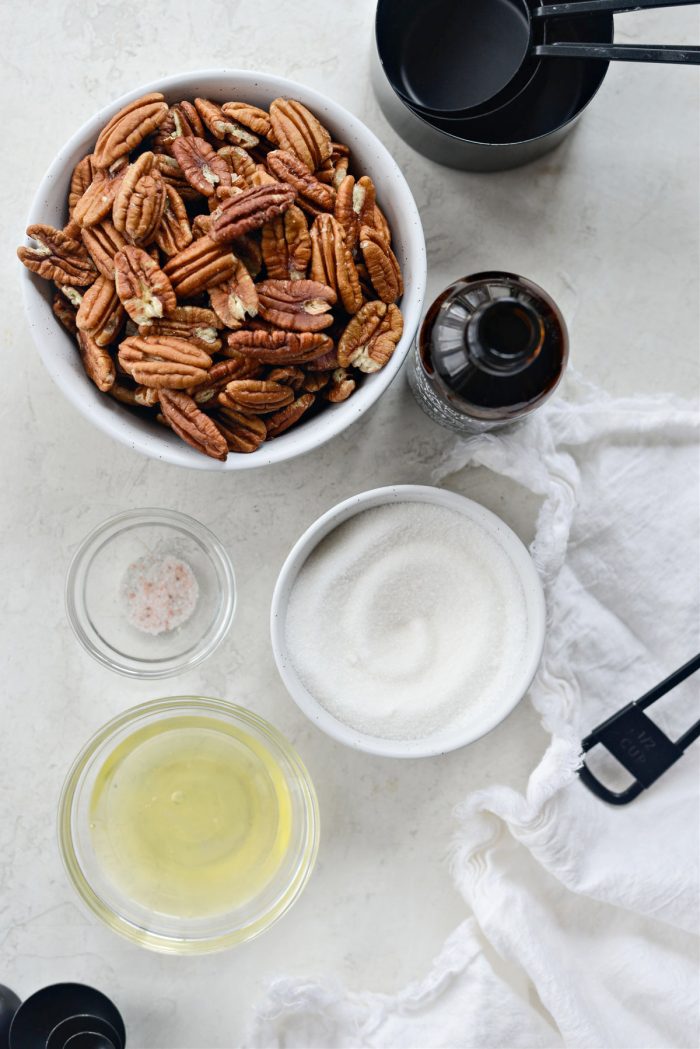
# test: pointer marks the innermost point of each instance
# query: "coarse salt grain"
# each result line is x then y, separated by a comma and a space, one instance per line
406, 620
159, 593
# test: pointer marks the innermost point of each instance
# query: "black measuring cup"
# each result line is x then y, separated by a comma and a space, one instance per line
61, 1016
462, 59
532, 124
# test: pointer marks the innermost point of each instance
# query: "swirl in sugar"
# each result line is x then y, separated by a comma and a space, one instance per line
406, 620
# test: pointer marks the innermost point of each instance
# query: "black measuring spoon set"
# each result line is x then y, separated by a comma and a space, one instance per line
491, 84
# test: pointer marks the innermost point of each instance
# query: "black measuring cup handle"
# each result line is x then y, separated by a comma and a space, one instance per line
667, 53
592, 7
637, 742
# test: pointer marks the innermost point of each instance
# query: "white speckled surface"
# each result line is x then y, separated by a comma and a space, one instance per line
608, 224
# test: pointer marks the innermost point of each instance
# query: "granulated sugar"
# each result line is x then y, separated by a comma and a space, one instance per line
407, 619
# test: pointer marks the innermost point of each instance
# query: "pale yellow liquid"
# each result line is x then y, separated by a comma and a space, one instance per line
190, 817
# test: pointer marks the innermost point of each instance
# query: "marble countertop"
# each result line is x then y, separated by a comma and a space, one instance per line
608, 224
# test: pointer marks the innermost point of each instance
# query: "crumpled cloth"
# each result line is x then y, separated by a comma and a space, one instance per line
582, 918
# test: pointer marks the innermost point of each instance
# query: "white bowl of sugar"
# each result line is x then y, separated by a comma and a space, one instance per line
408, 621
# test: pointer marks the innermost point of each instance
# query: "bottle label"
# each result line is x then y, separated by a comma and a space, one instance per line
437, 408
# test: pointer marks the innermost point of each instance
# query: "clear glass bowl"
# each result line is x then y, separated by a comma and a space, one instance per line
155, 929
95, 588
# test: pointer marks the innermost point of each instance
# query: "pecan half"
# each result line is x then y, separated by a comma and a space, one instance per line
182, 121
341, 386
262, 177
279, 347
73, 230
97, 362
296, 305
241, 163
201, 226
340, 171
314, 381
382, 265
327, 362
354, 206
221, 194
255, 396
221, 374
140, 201
248, 251
192, 425
257, 120
135, 396
164, 362
142, 286
97, 200
173, 175
332, 262
103, 242
74, 296
286, 246
243, 433
203, 264
223, 126
101, 314
128, 128
312, 195
249, 210
236, 299
64, 312
380, 223
289, 416
290, 376
174, 232
371, 337
201, 165
298, 130
368, 292
193, 323
79, 182
57, 257
334, 170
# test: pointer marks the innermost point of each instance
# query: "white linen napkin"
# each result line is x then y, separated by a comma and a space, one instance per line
582, 926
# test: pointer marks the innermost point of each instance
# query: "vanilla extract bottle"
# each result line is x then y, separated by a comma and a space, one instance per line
492, 349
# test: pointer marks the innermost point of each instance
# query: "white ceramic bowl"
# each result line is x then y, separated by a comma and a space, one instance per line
446, 740
57, 349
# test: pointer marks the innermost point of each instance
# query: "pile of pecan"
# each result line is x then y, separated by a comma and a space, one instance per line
222, 269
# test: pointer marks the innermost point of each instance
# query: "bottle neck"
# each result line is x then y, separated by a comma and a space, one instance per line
504, 336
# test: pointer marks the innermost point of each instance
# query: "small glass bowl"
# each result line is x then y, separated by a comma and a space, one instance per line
95, 601
169, 933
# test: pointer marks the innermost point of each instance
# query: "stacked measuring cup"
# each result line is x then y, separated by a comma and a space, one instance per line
486, 85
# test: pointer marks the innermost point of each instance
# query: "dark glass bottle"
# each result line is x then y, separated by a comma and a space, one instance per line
492, 348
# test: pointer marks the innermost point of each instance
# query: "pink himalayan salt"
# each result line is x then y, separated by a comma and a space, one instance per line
160, 593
